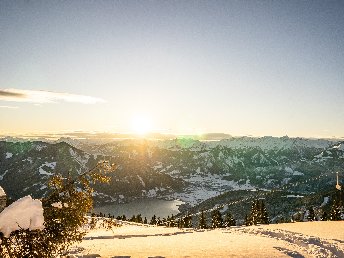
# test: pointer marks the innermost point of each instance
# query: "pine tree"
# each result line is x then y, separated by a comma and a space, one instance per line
229, 220
159, 222
153, 220
337, 206
133, 218
172, 222
264, 217
145, 221
324, 216
216, 219
187, 221
259, 214
202, 221
180, 223
311, 214
167, 221
255, 213
247, 221
335, 213
139, 218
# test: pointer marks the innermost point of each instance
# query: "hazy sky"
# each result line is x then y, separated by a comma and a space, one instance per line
238, 67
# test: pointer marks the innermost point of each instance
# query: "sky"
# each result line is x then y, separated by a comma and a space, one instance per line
185, 67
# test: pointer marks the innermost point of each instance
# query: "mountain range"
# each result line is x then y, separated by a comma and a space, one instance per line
187, 169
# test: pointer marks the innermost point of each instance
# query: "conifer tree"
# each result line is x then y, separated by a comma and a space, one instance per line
133, 218
337, 206
255, 214
159, 222
324, 216
172, 222
139, 218
229, 220
180, 223
187, 221
247, 220
335, 213
259, 214
216, 219
264, 217
202, 221
153, 220
145, 220
311, 214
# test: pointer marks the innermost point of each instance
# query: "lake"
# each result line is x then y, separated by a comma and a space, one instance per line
145, 207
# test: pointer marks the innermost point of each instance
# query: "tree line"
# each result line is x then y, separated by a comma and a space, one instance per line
217, 219
258, 214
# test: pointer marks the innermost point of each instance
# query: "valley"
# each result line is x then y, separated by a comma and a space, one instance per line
201, 174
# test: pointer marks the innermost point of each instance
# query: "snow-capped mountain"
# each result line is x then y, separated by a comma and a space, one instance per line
190, 170
26, 167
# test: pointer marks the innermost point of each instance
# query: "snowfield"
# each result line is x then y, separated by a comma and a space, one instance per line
303, 239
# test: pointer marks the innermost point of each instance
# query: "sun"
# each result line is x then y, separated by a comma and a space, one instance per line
141, 124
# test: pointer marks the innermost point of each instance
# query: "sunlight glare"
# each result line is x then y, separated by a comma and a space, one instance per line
141, 124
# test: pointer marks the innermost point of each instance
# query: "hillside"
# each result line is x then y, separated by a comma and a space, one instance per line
26, 167
186, 169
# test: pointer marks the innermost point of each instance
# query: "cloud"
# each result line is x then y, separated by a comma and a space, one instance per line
10, 107
41, 96
8, 94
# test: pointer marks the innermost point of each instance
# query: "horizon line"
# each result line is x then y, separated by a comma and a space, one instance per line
79, 134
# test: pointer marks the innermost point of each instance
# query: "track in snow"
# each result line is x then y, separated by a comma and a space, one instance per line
315, 246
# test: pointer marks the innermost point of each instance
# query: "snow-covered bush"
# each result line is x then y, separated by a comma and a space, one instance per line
64, 211
25, 213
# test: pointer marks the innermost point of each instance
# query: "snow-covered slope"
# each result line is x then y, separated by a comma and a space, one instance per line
307, 239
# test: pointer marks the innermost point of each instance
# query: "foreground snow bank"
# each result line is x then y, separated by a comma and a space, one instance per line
306, 239
25, 213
